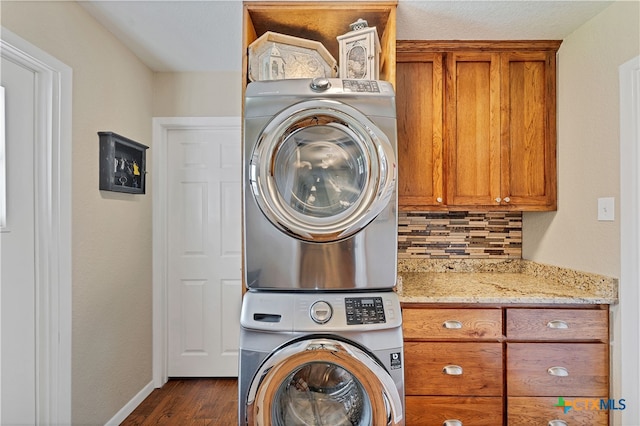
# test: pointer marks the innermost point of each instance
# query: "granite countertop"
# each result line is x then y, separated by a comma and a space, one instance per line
500, 282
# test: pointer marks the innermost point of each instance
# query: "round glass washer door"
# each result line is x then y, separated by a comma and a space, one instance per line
322, 382
321, 170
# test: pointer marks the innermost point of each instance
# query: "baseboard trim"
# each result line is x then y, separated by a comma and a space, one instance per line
131, 405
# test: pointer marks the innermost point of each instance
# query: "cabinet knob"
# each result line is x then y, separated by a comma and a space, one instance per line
452, 370
452, 422
439, 199
498, 199
507, 199
452, 324
557, 422
557, 324
558, 371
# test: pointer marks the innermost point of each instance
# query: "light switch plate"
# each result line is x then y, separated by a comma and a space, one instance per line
606, 208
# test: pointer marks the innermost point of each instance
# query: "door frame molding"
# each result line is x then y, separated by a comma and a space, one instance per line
52, 177
628, 343
160, 161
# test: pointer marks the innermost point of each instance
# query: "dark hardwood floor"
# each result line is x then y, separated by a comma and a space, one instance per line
189, 402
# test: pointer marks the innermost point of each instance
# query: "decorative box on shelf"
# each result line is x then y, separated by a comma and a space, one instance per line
276, 56
360, 52
122, 164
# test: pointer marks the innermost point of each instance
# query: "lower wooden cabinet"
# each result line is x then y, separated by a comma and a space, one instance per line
451, 368
527, 411
558, 369
453, 411
464, 366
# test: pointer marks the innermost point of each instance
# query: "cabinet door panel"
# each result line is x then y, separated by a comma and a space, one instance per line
480, 371
541, 411
585, 365
473, 128
557, 324
436, 410
419, 86
528, 128
440, 324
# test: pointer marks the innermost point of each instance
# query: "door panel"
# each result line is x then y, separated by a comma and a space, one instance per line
420, 147
473, 104
528, 128
204, 249
18, 247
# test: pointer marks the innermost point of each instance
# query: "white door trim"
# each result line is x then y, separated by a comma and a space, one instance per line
53, 226
629, 293
161, 127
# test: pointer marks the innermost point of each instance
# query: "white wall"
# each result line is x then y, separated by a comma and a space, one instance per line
198, 94
111, 233
588, 146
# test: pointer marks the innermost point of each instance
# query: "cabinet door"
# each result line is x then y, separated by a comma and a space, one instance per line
452, 324
473, 128
452, 410
558, 324
454, 369
419, 85
526, 411
528, 118
558, 369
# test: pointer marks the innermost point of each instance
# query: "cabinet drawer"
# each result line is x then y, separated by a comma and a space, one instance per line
558, 369
542, 411
472, 369
557, 324
436, 410
441, 324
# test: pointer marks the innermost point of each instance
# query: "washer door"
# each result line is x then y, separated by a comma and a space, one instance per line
321, 170
323, 382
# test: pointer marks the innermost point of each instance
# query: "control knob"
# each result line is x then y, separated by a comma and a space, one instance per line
320, 84
321, 312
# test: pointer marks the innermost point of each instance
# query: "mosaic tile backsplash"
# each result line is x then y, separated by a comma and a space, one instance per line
460, 235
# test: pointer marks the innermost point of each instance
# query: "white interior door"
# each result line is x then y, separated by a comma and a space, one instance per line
18, 251
204, 293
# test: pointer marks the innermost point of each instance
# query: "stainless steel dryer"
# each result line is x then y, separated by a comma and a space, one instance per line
320, 203
321, 359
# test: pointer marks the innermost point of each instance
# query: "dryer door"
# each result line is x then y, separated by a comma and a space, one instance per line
321, 170
323, 382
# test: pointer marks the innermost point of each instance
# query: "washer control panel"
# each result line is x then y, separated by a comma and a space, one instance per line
364, 310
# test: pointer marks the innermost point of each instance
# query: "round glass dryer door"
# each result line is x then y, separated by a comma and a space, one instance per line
321, 171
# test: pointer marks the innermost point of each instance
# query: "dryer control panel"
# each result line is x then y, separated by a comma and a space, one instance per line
364, 310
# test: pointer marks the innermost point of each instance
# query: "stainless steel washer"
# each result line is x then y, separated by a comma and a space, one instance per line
321, 359
320, 203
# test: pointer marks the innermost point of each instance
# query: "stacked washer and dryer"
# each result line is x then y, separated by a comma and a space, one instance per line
321, 327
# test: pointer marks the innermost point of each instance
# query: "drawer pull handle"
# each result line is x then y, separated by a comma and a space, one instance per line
557, 324
452, 422
558, 371
452, 324
452, 370
557, 422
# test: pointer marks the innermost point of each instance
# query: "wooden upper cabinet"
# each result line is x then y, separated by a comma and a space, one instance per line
322, 22
528, 116
497, 131
473, 128
419, 83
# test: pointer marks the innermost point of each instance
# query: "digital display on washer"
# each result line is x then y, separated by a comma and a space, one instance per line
364, 310
360, 86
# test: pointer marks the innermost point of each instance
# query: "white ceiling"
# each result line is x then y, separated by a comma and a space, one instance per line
205, 35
